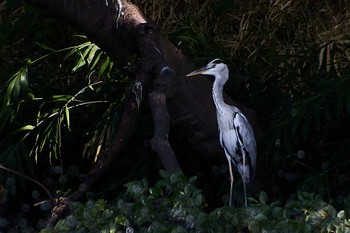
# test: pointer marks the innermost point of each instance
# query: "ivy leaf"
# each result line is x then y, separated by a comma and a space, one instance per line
263, 197
164, 174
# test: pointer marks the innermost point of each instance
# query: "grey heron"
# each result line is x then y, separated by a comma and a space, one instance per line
235, 133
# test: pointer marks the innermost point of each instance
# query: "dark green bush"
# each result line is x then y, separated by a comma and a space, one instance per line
289, 62
174, 204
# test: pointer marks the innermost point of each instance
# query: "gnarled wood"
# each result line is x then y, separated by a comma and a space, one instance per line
121, 30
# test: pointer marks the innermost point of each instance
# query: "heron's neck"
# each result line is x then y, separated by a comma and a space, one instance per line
217, 92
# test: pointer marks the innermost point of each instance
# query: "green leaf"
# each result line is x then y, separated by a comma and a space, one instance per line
192, 179
45, 46
189, 189
122, 220
80, 63
263, 197
16, 83
24, 128
277, 212
64, 98
176, 177
76, 49
165, 174
155, 191
341, 215
91, 55
198, 200
104, 66
286, 214
260, 217
96, 60
304, 196
162, 183
67, 116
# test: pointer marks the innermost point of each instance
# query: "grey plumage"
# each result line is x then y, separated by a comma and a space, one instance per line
235, 132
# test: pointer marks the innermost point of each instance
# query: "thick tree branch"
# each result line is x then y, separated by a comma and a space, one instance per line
121, 30
189, 100
111, 24
160, 143
154, 64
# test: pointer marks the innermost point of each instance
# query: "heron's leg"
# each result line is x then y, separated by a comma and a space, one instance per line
245, 194
231, 182
244, 184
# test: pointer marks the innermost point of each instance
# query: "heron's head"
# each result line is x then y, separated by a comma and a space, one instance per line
216, 68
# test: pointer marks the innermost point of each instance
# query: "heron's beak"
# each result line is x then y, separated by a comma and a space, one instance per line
199, 71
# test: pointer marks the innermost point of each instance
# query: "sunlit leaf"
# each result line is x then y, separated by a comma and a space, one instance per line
104, 66
91, 55
63, 98
24, 128
67, 116
96, 60
18, 82
80, 62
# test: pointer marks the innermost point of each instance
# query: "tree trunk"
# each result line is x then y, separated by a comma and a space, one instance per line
121, 30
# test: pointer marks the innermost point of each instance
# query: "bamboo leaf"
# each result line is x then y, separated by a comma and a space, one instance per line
96, 60
87, 51
81, 62
104, 66
9, 90
91, 55
24, 78
24, 128
46, 47
46, 133
76, 49
67, 116
80, 36
17, 83
64, 98
97, 152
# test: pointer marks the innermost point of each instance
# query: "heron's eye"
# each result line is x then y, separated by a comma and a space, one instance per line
217, 61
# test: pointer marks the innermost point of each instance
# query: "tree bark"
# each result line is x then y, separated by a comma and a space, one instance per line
121, 30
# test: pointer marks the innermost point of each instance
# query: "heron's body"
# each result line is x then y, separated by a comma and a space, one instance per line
236, 134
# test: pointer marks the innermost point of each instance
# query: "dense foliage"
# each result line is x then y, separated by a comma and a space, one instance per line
289, 61
175, 205
60, 102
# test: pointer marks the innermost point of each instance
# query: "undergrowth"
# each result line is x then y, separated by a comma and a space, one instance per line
174, 204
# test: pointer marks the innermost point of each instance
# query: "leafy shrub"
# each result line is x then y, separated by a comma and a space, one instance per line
174, 204
293, 56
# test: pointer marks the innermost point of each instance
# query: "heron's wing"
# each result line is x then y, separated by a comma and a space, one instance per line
245, 138
220, 138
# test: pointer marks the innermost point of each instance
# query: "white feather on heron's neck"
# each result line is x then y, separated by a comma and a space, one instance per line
217, 91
